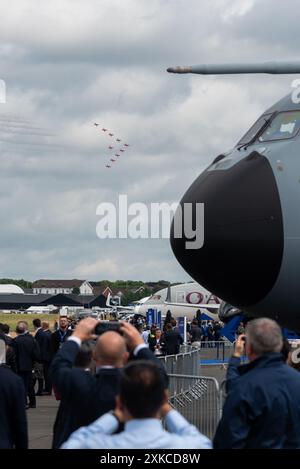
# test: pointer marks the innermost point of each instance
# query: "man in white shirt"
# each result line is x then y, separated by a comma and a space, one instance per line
145, 335
142, 402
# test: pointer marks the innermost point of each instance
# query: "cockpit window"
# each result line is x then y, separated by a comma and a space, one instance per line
284, 125
254, 130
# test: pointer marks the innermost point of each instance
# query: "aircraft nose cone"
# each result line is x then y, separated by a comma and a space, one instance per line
243, 231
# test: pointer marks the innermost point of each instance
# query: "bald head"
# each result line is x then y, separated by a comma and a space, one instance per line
111, 350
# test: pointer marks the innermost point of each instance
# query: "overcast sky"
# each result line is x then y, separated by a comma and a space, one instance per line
70, 63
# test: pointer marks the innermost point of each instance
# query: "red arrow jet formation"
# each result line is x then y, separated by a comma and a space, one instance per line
110, 147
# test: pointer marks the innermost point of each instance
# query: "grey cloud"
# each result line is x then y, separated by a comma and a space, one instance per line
64, 73
271, 25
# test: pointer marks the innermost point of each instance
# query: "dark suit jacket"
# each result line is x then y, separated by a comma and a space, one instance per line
172, 341
152, 341
27, 351
10, 353
11, 360
43, 338
13, 423
9, 340
56, 340
84, 397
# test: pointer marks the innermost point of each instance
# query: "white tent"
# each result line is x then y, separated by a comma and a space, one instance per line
41, 309
9, 288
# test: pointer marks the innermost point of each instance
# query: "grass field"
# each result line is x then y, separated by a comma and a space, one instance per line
12, 319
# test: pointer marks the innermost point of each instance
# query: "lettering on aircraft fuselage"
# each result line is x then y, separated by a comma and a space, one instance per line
200, 298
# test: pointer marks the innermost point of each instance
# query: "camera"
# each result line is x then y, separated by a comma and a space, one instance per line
103, 326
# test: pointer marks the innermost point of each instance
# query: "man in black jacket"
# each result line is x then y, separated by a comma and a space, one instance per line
85, 397
13, 423
27, 351
43, 338
172, 340
195, 333
262, 408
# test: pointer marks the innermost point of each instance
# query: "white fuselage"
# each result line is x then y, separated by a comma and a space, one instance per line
189, 293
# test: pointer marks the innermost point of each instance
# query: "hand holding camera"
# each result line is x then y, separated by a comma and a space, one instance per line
239, 347
131, 335
90, 328
104, 326
85, 329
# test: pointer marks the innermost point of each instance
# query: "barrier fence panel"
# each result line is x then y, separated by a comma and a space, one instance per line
215, 351
183, 363
190, 358
198, 399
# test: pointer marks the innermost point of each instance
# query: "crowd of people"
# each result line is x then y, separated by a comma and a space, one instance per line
167, 340
113, 389
29, 356
162, 342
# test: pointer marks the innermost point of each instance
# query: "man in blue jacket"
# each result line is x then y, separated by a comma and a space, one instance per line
262, 408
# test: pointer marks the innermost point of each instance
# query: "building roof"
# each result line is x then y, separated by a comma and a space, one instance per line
16, 301
99, 300
105, 292
62, 299
9, 288
88, 301
83, 300
97, 291
58, 283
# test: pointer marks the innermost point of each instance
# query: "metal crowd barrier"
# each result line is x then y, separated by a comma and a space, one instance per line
183, 363
190, 357
218, 350
198, 399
